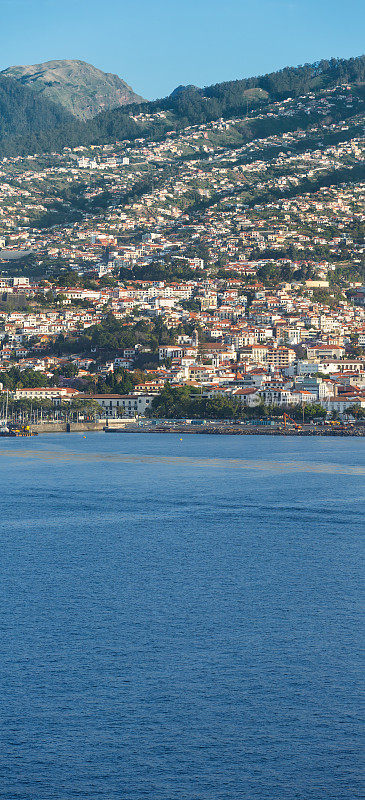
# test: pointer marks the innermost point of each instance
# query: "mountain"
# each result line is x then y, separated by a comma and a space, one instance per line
80, 88
28, 127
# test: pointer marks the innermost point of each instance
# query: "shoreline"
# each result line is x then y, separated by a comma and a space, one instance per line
210, 430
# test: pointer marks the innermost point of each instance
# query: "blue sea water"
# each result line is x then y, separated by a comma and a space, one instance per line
180, 620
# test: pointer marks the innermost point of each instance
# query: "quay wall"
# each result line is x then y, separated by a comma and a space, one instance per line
63, 427
74, 427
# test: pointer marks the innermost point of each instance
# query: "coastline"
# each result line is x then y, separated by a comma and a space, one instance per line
211, 430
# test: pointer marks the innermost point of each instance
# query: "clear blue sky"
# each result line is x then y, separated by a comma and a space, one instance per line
155, 45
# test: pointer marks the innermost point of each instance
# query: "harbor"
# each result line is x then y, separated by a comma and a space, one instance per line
206, 427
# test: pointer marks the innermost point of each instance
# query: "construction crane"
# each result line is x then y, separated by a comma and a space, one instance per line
287, 418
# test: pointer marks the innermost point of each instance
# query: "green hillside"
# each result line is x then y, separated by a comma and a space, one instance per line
30, 123
193, 106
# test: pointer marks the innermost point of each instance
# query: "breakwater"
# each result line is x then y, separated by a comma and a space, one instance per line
243, 430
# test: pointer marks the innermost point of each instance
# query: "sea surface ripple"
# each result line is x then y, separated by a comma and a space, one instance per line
180, 620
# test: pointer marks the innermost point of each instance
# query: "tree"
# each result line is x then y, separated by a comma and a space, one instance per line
69, 370
357, 411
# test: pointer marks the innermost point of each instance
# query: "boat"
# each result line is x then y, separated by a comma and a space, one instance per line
5, 430
12, 429
16, 430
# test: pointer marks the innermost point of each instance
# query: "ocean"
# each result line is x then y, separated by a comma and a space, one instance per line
180, 617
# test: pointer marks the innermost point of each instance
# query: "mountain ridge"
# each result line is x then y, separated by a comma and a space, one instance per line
193, 106
80, 88
153, 119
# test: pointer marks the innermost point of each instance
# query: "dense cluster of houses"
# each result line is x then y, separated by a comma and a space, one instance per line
200, 208
283, 349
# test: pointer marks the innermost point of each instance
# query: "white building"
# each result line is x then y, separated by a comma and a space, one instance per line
124, 405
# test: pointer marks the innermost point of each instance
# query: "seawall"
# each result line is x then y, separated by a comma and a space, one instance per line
67, 427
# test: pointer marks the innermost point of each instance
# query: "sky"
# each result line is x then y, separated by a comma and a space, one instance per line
156, 45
